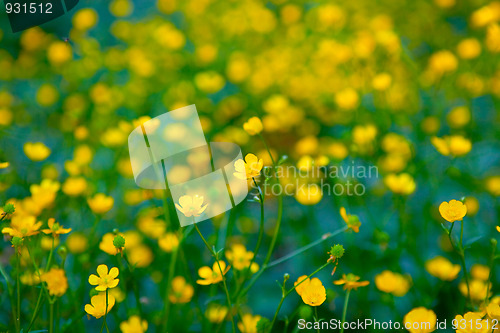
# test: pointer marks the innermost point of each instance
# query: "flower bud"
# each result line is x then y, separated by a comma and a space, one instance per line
9, 208
337, 251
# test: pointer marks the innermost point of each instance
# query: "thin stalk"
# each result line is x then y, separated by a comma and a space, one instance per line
18, 316
344, 312
316, 314
492, 262
51, 318
460, 252
171, 273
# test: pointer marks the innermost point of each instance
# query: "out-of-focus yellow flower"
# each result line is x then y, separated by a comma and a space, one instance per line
209, 82
403, 183
168, 242
30, 279
308, 194
486, 14
74, 186
480, 272
445, 3
47, 95
81, 133
105, 279
59, 53
100, 203
107, 245
248, 323
493, 38
212, 275
454, 145
55, 228
430, 125
46, 242
392, 283
77, 243
36, 151
22, 226
382, 81
181, 291
472, 206
248, 169
351, 281
420, 320
97, 306
453, 210
84, 19
442, 268
56, 280
307, 146
312, 291
121, 8
458, 117
443, 62
492, 185
337, 150
191, 205
151, 227
45, 193
364, 134
5, 117
240, 258
134, 325
253, 126
216, 313
469, 48
493, 310
478, 290
352, 221
141, 255
347, 99
118, 294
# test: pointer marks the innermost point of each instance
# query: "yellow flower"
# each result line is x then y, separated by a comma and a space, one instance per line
240, 258
4, 165
253, 126
300, 287
347, 99
381, 81
493, 38
97, 306
403, 183
493, 310
352, 221
107, 245
453, 210
168, 242
469, 48
212, 275
74, 186
105, 280
22, 226
363, 135
45, 193
134, 325
100, 203
140, 255
31, 279
309, 194
77, 243
472, 206
36, 151
216, 313
59, 52
492, 184
181, 291
312, 292
55, 228
191, 206
478, 289
458, 117
443, 62
442, 268
84, 19
480, 272
248, 169
209, 82
56, 280
248, 323
350, 281
471, 323
420, 320
392, 283
47, 95
454, 145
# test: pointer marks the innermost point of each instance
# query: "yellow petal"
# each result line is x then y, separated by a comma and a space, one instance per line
102, 270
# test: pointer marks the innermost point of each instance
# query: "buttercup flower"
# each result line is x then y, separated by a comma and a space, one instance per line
168, 242
350, 281
352, 221
493, 310
191, 206
36, 151
392, 283
313, 292
248, 169
216, 313
472, 322
212, 275
248, 323
442, 268
56, 280
420, 320
55, 228
100, 203
105, 280
97, 306
240, 258
478, 290
454, 145
22, 226
77, 243
181, 291
253, 126
480, 272
134, 325
453, 210
4, 165
400, 184
107, 245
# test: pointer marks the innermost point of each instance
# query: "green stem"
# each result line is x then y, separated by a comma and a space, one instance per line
492, 262
171, 273
229, 304
344, 312
18, 316
460, 252
51, 320
316, 314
